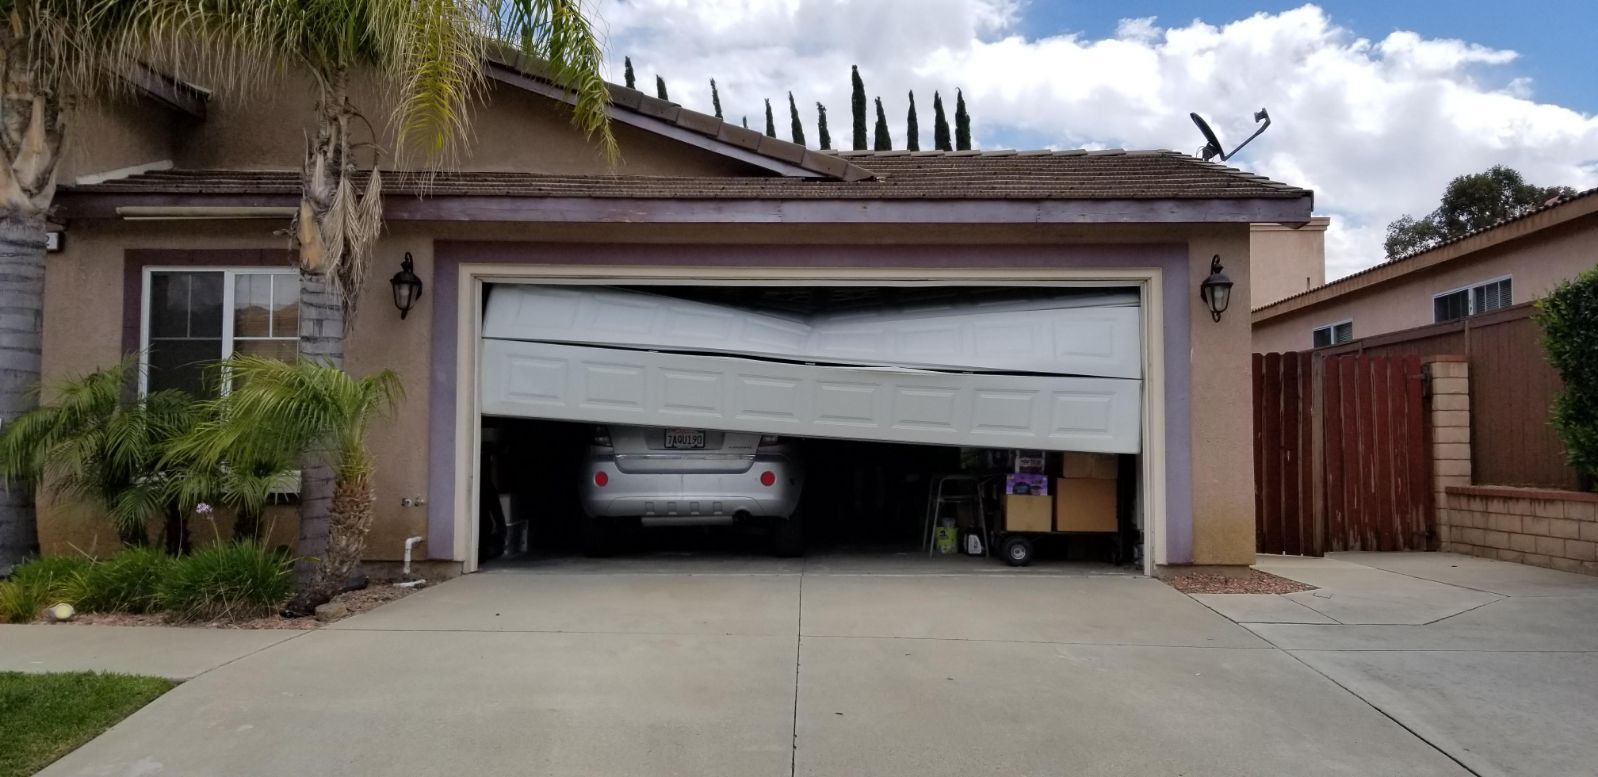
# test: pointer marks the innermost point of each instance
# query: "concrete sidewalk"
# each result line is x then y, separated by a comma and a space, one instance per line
737, 667
172, 653
1495, 664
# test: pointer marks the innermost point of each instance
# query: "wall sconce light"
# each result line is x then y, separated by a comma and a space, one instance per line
407, 287
1216, 290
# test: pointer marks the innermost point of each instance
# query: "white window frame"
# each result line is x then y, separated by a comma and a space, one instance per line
1470, 296
229, 273
1332, 326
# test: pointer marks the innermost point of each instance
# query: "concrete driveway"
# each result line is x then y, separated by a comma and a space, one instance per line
683, 666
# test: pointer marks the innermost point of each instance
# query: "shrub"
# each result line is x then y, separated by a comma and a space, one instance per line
40, 583
230, 581
1569, 319
126, 582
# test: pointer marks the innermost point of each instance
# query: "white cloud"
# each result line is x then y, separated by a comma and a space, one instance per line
1376, 128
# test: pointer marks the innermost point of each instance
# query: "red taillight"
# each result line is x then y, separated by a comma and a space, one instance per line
768, 478
600, 479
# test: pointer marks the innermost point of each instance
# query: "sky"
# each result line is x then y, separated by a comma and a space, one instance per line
1374, 105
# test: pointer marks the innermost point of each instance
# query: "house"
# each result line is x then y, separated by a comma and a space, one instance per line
1288, 259
1515, 261
172, 213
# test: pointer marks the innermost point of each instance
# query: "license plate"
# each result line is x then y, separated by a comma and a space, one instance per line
685, 438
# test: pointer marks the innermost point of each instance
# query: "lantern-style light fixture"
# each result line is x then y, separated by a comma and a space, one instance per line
1216, 290
407, 287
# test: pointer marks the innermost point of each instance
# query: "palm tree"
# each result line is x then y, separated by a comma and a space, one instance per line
92, 444
316, 410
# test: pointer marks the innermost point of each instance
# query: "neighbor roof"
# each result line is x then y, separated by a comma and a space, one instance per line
1551, 214
987, 175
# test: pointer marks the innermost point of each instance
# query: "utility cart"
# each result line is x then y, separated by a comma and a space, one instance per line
1085, 501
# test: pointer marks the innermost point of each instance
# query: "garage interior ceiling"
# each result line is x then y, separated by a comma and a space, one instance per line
1022, 369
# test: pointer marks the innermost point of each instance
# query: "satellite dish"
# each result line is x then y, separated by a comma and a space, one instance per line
1212, 144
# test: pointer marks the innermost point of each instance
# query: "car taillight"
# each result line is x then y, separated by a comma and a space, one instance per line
600, 479
768, 478
602, 437
770, 439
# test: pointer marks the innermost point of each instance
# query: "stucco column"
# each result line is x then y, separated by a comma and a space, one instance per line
1448, 414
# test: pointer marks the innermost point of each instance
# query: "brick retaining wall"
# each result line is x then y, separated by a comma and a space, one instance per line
1545, 528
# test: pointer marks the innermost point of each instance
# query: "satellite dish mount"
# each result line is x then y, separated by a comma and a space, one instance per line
1212, 144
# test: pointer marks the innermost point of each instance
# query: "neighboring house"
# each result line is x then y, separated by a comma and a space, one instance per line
173, 211
1288, 259
1515, 261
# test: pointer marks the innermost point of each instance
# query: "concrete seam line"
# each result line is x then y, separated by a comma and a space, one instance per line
1462, 612
236, 659
798, 646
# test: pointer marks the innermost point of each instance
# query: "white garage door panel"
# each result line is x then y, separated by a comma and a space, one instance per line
602, 385
1065, 334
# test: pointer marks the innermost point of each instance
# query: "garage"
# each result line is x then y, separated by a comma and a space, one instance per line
837, 418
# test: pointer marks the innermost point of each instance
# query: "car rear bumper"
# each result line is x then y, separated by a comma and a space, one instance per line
680, 497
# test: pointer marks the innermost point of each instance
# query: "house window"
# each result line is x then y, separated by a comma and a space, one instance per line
1473, 300
193, 318
1334, 334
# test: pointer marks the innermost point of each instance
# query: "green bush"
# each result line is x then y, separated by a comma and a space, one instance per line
126, 582
1569, 319
230, 581
39, 583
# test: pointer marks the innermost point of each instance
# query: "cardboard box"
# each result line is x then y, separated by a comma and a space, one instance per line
1028, 513
1084, 504
1103, 466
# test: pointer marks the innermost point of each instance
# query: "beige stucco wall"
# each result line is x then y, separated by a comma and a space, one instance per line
1286, 260
119, 132
1536, 262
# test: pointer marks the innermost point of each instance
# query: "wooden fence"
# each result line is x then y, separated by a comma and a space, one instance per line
1341, 460
1511, 388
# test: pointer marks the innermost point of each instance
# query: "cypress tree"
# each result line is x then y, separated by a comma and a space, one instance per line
962, 123
883, 141
632, 83
660, 88
771, 124
857, 103
793, 118
940, 124
821, 127
715, 97
912, 130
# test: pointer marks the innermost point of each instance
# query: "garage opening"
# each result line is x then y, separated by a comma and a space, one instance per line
991, 421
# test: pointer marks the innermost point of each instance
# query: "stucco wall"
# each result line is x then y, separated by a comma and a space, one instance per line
1536, 262
82, 335
121, 131
1286, 260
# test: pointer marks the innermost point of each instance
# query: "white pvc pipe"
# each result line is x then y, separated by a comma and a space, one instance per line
410, 542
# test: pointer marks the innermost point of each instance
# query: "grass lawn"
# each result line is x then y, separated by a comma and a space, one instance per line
46, 716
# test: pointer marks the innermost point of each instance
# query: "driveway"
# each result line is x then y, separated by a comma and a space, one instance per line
837, 665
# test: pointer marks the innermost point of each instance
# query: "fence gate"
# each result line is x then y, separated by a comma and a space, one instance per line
1340, 454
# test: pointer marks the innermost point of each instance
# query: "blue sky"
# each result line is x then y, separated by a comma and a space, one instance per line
1557, 39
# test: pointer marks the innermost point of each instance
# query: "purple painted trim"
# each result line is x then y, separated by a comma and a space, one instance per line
1170, 258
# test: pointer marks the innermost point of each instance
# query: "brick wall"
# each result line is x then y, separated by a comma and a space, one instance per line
1556, 529
1449, 416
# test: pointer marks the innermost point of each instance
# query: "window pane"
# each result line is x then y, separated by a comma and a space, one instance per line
1323, 337
1452, 306
185, 304
267, 349
205, 304
1343, 333
181, 364
286, 305
252, 302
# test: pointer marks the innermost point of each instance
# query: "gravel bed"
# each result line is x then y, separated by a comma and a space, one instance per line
1255, 582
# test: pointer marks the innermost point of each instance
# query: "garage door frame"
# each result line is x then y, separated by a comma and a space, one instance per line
474, 277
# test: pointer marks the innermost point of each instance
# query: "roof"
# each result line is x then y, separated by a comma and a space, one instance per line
1534, 220
973, 175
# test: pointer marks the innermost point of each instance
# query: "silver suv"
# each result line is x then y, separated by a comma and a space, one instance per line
691, 477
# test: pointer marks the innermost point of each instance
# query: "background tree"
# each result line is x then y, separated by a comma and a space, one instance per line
857, 104
1470, 203
962, 123
771, 123
912, 129
322, 412
627, 71
1569, 320
882, 141
797, 128
660, 88
940, 125
821, 127
715, 98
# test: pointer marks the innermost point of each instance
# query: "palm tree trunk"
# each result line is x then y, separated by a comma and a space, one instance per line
321, 341
349, 521
22, 236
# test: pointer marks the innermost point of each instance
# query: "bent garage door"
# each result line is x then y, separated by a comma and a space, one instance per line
1050, 371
